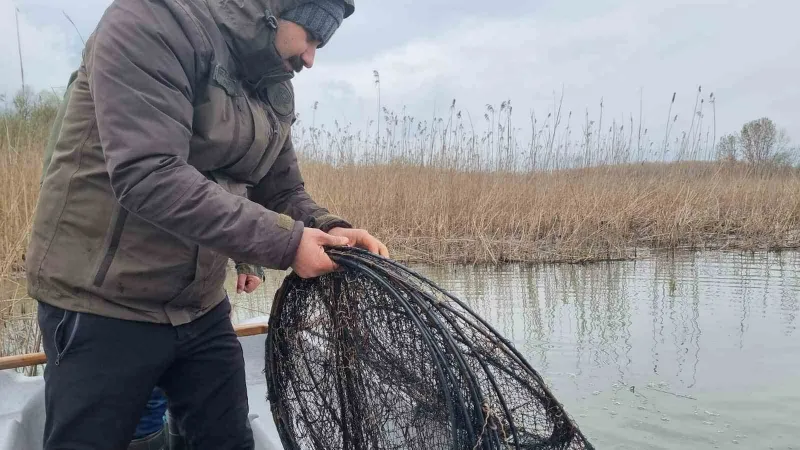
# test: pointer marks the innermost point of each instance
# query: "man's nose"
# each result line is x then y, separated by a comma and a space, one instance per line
308, 57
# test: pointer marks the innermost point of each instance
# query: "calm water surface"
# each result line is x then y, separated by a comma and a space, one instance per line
690, 351
694, 351
699, 351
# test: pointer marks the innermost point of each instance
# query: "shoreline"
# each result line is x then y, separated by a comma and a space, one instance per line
418, 255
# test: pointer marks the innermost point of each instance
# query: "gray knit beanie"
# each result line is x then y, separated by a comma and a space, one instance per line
320, 18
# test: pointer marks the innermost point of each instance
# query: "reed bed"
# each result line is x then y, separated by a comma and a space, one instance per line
443, 191
579, 215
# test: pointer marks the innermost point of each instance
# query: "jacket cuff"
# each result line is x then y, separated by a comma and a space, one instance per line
250, 269
326, 222
291, 247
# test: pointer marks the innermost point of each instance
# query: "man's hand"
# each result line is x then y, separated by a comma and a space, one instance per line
311, 261
361, 239
247, 283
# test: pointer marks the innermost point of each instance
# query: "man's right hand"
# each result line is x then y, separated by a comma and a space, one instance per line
311, 260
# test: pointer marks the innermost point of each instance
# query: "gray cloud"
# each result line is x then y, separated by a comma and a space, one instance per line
430, 52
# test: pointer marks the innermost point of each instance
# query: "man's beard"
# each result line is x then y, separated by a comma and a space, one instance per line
297, 63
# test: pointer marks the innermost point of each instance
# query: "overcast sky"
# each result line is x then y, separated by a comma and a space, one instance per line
429, 52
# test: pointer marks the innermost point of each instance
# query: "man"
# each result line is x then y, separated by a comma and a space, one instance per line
150, 433
173, 156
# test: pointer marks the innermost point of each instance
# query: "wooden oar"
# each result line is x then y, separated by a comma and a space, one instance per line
34, 359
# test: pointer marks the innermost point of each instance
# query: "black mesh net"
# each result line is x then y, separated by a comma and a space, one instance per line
377, 357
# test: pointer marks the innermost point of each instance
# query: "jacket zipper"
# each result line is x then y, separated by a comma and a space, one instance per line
113, 245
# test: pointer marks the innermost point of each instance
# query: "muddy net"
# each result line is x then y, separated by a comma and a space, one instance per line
377, 357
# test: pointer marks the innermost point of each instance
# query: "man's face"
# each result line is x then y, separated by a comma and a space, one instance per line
295, 45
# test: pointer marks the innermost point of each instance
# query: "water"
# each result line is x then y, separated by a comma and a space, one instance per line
692, 351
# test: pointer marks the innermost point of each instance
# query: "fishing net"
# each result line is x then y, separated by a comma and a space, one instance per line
377, 357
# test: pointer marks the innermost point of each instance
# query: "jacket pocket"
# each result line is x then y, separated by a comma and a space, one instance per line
142, 266
118, 224
264, 134
219, 123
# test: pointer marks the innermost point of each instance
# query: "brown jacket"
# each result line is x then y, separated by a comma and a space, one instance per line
168, 163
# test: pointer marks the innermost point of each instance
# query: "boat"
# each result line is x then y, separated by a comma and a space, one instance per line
22, 406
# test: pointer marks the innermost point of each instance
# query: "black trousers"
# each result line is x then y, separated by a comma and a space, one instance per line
100, 373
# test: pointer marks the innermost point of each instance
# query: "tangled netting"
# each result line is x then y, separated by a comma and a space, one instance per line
377, 357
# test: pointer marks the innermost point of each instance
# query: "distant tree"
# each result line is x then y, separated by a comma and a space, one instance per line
761, 141
787, 158
728, 148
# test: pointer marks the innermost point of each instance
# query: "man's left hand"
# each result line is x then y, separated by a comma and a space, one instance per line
361, 239
247, 283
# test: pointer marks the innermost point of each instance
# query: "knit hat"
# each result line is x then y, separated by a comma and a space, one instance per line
320, 18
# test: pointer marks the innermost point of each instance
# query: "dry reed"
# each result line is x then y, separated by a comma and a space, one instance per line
430, 214
22, 139
438, 192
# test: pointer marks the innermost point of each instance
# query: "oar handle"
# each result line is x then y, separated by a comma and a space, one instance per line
34, 359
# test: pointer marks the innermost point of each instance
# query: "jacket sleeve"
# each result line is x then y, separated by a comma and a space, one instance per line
250, 269
283, 190
142, 70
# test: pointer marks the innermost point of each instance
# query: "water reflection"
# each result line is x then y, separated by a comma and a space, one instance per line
693, 332
674, 316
